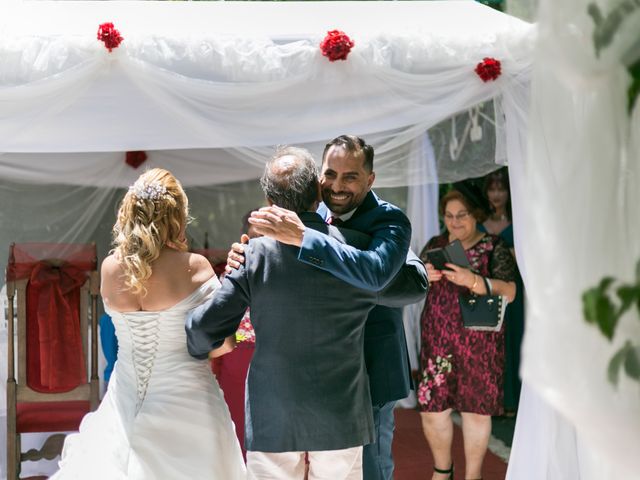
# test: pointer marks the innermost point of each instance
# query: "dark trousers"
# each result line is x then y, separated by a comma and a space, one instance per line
377, 462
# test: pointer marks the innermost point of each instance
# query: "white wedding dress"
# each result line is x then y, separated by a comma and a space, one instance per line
163, 416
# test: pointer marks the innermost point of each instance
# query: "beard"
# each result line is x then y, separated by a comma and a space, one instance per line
349, 203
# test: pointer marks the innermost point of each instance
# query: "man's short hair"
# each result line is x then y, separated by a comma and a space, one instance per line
292, 186
353, 145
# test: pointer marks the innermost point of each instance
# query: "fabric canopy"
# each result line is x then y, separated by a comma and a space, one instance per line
230, 76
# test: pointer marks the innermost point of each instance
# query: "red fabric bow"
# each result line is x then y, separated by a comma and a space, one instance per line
336, 45
489, 69
55, 355
109, 35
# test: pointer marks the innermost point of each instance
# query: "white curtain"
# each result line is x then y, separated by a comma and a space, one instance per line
576, 202
422, 210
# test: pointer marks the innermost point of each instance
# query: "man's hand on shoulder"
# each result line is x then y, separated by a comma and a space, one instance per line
278, 223
235, 257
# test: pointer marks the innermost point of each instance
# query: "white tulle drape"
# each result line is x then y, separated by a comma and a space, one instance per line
576, 203
180, 88
208, 91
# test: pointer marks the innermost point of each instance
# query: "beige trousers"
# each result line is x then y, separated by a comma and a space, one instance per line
323, 465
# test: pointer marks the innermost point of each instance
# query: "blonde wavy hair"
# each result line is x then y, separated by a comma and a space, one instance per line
153, 214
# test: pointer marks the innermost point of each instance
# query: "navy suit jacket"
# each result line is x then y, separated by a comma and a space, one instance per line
385, 346
307, 385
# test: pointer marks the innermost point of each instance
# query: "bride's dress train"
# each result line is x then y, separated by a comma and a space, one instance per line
164, 416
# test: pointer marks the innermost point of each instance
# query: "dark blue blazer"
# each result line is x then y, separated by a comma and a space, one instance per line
307, 387
385, 346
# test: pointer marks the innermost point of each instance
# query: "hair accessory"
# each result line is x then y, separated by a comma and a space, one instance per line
148, 191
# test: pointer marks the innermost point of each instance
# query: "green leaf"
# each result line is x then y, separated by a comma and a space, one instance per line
627, 295
613, 372
632, 361
598, 308
632, 93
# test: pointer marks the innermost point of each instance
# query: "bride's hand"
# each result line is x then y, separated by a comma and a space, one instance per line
228, 346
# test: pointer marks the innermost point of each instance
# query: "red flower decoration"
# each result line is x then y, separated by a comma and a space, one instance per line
109, 35
135, 159
489, 69
336, 45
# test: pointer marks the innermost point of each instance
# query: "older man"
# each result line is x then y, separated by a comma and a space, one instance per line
346, 181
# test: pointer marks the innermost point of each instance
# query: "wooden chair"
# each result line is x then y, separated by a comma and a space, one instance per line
34, 404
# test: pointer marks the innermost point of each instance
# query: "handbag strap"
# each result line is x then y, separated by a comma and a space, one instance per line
487, 284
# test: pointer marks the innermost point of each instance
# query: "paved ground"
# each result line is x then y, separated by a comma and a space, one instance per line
413, 459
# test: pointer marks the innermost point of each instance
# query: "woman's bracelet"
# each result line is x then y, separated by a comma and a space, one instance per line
475, 282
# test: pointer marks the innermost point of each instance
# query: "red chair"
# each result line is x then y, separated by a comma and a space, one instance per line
56, 289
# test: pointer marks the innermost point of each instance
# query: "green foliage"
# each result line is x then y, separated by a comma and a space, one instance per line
634, 88
627, 357
604, 33
599, 309
606, 27
604, 310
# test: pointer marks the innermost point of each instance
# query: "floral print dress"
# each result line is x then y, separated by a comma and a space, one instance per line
462, 369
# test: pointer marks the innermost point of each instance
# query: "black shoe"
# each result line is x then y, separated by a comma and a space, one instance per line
449, 471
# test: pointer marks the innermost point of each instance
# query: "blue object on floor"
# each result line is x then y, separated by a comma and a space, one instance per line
109, 343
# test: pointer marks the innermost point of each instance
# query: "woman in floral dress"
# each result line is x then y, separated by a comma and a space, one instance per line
462, 369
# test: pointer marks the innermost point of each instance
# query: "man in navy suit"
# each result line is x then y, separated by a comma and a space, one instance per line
346, 179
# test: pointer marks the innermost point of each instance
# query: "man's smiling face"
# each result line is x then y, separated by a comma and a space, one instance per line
344, 180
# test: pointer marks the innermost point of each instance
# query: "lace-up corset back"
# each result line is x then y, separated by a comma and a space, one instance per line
158, 401
153, 343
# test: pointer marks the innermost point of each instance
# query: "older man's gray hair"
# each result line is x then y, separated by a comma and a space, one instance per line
290, 179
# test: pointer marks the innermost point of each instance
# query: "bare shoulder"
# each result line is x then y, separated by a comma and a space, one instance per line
112, 285
201, 269
110, 268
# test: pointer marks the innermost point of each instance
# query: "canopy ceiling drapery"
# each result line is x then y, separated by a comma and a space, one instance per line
209, 88
241, 78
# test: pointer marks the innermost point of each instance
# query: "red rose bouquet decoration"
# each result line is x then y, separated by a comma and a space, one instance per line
135, 159
336, 45
489, 69
109, 35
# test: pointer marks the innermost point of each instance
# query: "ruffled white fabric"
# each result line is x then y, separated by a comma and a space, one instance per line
576, 221
201, 86
163, 416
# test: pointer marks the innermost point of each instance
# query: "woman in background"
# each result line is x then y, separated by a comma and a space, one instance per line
496, 190
462, 369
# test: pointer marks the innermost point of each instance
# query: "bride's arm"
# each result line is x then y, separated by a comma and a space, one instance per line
227, 347
209, 324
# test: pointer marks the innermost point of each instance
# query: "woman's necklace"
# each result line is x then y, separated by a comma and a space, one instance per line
467, 244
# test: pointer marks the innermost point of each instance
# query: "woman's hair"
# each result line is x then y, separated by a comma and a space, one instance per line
477, 211
153, 214
499, 178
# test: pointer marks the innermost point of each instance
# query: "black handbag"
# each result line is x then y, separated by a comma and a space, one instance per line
482, 312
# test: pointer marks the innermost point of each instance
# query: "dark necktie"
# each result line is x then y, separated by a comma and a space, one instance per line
335, 221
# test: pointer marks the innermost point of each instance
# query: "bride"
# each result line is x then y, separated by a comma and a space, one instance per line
163, 416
